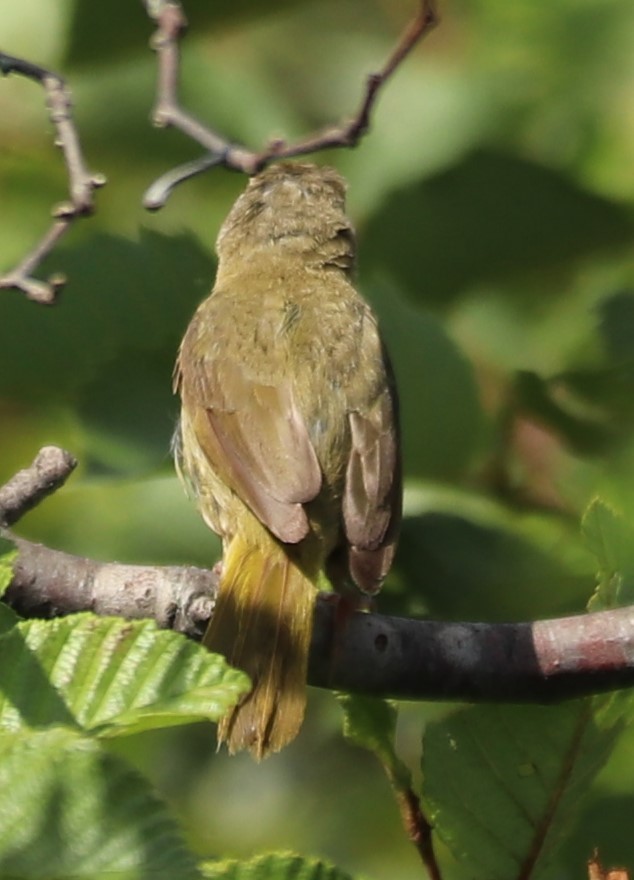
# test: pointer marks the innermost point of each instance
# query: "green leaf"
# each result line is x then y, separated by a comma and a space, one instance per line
273, 866
8, 555
370, 723
441, 415
472, 557
110, 676
97, 34
124, 312
611, 538
616, 322
491, 217
502, 784
587, 429
8, 618
72, 810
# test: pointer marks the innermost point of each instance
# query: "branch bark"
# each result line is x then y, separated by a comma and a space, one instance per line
49, 471
541, 662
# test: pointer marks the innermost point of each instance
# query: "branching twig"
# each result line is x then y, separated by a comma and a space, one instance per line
81, 182
171, 22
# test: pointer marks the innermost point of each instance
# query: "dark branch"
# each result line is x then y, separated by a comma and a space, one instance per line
50, 470
171, 22
540, 662
81, 182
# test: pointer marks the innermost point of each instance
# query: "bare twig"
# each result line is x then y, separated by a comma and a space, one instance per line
81, 182
418, 829
50, 470
171, 23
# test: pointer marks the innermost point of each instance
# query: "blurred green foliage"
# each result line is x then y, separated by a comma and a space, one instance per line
494, 200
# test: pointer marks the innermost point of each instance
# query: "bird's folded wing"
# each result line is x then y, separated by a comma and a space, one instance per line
255, 439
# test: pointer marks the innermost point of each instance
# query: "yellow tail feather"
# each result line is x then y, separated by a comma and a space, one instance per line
262, 624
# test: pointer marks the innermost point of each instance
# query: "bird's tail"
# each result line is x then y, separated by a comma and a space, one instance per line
262, 624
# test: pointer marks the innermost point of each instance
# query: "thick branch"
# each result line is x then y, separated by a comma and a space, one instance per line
81, 182
171, 22
540, 662
48, 583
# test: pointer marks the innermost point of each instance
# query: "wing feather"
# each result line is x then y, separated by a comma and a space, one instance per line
254, 437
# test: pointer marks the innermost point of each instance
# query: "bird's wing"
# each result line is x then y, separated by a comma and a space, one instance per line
372, 495
255, 439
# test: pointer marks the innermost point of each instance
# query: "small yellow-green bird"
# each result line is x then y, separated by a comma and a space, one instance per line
288, 436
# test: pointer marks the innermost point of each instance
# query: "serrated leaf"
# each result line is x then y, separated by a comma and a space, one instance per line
76, 811
273, 866
110, 676
501, 784
610, 538
371, 724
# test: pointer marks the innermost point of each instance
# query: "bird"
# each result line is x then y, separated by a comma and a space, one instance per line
288, 437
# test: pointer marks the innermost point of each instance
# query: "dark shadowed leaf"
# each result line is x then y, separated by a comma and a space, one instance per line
491, 217
503, 783
97, 34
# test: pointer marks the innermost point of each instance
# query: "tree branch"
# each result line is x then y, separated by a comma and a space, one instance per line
540, 662
377, 655
171, 22
81, 182
48, 583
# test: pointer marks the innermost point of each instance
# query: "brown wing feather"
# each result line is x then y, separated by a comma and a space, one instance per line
254, 437
372, 496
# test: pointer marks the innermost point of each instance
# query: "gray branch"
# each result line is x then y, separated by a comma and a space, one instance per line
539, 662
373, 654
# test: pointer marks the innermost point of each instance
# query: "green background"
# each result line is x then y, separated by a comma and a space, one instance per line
493, 198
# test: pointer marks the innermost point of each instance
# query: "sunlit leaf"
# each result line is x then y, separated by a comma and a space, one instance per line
611, 538
273, 866
110, 676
